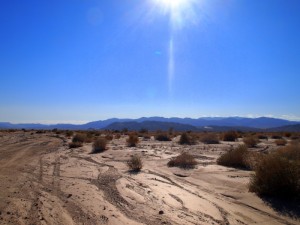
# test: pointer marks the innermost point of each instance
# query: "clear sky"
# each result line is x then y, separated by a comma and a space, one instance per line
86, 60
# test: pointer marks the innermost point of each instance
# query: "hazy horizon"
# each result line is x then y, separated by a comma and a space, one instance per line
45, 122
85, 61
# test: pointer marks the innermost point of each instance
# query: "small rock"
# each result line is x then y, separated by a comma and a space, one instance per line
69, 196
161, 212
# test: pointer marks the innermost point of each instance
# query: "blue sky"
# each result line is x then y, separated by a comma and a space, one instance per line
85, 60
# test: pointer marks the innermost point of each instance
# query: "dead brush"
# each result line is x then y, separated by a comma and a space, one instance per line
210, 138
236, 158
280, 142
99, 145
132, 140
135, 164
79, 137
230, 136
250, 141
278, 174
75, 144
78, 140
162, 137
186, 139
184, 160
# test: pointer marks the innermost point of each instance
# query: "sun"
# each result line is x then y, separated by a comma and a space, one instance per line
172, 3
180, 12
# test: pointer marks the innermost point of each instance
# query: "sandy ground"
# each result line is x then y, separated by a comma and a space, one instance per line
42, 181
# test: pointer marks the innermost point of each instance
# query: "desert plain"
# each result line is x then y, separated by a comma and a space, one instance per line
43, 181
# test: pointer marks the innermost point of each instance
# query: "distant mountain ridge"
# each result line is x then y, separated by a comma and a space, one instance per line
161, 123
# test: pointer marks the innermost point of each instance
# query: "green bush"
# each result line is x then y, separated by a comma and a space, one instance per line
237, 158
184, 160
278, 174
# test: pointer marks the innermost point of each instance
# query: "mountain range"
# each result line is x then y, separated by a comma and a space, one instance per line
180, 124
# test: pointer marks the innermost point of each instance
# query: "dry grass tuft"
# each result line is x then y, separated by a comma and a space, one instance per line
184, 160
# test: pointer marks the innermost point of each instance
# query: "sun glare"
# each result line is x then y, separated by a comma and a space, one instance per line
181, 12
172, 3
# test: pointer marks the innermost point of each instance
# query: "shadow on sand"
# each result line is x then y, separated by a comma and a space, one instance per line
284, 207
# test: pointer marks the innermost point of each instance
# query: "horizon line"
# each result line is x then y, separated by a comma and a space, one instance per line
82, 122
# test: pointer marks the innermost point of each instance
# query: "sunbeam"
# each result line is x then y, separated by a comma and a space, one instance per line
171, 65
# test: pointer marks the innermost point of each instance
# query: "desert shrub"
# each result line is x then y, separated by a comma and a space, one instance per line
162, 137
75, 144
184, 160
210, 138
262, 136
236, 158
99, 145
124, 131
132, 140
97, 133
290, 152
278, 174
250, 141
143, 131
280, 142
287, 134
230, 136
89, 137
80, 137
186, 139
40, 132
276, 136
117, 136
69, 133
109, 137
135, 163
146, 137
295, 137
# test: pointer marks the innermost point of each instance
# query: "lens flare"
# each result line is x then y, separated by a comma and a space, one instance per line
181, 13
